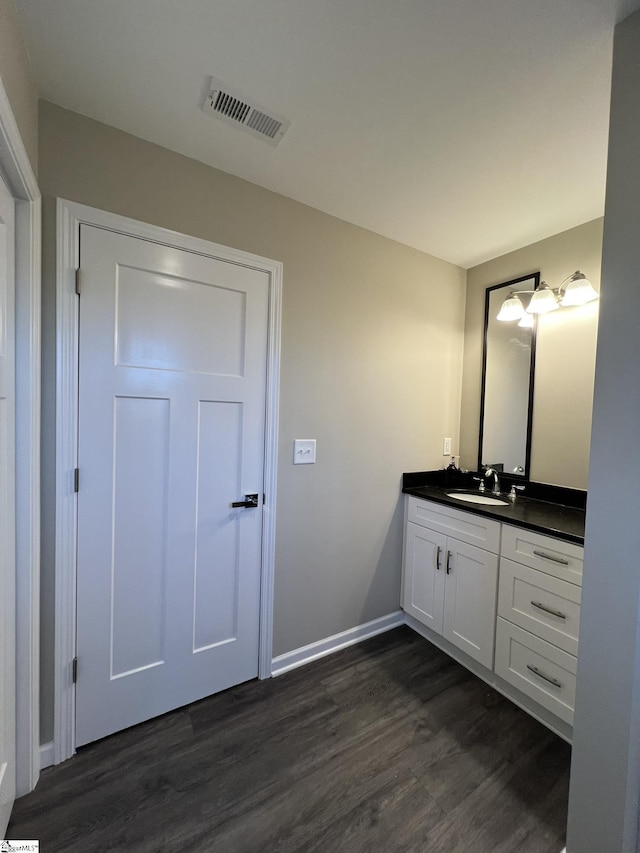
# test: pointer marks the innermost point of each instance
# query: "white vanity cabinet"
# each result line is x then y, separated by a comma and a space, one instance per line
450, 584
507, 597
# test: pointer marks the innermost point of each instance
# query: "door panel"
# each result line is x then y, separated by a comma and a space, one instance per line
138, 582
190, 326
424, 575
171, 431
215, 618
7, 508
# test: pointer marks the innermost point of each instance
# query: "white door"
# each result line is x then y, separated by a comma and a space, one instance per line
424, 575
470, 600
7, 508
171, 431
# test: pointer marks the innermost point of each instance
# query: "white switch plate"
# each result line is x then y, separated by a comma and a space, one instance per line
446, 447
304, 451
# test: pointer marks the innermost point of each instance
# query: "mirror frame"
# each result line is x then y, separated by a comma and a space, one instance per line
509, 284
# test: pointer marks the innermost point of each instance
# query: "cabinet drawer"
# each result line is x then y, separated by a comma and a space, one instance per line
538, 669
465, 526
544, 605
553, 556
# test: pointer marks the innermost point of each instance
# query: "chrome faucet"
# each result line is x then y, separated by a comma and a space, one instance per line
491, 472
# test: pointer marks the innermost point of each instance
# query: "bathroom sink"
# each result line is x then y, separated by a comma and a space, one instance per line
477, 498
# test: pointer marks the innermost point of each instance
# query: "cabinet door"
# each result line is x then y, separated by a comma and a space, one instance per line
424, 575
470, 600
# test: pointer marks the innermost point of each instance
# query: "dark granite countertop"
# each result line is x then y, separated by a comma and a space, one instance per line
553, 519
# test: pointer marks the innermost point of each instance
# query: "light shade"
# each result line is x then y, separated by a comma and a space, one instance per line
526, 322
578, 290
543, 300
511, 309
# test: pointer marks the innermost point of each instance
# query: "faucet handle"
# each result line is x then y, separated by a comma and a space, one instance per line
480, 480
513, 494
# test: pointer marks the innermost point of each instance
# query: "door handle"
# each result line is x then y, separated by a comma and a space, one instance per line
250, 501
448, 562
438, 552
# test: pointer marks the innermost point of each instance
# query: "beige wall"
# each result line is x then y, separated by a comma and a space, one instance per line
371, 364
565, 356
16, 79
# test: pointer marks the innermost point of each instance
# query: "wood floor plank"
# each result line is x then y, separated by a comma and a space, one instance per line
296, 816
491, 816
386, 746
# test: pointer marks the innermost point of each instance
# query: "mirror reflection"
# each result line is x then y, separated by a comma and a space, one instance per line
507, 378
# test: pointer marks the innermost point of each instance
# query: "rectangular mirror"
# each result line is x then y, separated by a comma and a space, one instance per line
507, 379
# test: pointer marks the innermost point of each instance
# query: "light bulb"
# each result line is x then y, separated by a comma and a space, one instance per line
578, 291
543, 300
511, 309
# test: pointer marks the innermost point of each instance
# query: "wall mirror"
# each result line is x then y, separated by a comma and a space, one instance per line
506, 403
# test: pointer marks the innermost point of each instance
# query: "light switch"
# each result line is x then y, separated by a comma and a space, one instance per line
304, 451
446, 447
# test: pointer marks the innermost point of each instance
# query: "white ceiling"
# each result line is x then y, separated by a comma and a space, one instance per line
464, 128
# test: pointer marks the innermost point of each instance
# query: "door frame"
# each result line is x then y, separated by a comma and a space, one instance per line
69, 217
20, 178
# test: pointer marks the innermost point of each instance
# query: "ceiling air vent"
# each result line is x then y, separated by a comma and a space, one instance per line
233, 107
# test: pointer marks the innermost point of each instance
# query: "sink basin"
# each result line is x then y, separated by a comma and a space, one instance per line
477, 498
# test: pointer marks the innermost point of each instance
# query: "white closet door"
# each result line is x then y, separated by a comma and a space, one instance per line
171, 432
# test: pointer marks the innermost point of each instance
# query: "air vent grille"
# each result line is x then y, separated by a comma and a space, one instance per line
264, 124
229, 104
231, 107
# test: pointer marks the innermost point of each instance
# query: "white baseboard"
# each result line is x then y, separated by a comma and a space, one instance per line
321, 648
46, 755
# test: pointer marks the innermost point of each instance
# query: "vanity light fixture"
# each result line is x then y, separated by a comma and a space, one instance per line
543, 300
512, 308
576, 289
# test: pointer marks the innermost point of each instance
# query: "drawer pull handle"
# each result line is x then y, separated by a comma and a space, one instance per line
544, 556
550, 610
438, 552
448, 562
549, 678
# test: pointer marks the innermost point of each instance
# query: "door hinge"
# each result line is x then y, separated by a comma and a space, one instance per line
76, 479
74, 670
78, 281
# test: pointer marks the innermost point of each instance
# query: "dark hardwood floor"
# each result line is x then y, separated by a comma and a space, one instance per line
385, 746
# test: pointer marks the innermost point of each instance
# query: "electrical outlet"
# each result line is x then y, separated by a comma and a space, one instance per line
446, 447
